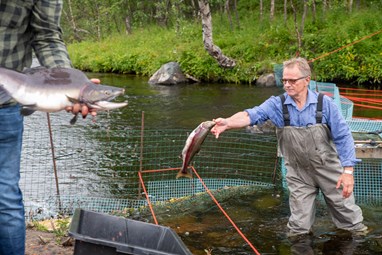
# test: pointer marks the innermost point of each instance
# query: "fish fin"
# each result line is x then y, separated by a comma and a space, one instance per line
74, 119
187, 174
27, 110
73, 100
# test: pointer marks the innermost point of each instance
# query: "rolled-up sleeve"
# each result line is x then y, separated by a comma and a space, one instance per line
271, 109
341, 134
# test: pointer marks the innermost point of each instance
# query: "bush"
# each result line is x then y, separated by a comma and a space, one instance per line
254, 47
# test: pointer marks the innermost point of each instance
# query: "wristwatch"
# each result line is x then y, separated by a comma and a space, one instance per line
348, 172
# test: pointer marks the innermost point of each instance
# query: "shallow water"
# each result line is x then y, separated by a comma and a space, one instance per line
261, 215
182, 106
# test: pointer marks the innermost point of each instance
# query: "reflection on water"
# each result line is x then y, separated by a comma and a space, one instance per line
94, 156
261, 215
183, 106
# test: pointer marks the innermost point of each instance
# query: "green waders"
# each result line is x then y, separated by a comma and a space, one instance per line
312, 164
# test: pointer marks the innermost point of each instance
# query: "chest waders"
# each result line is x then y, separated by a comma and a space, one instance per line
312, 164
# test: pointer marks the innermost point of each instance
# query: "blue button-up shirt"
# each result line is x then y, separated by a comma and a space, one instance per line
271, 109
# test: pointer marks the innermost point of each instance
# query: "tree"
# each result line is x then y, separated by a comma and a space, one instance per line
69, 14
314, 10
228, 9
212, 49
299, 30
272, 11
350, 5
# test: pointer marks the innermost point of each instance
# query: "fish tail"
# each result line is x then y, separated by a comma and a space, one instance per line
183, 173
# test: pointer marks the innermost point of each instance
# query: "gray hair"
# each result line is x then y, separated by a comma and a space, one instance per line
302, 64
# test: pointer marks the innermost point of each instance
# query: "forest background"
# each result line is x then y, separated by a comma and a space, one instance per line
137, 37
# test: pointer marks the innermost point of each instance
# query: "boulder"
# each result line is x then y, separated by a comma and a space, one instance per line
266, 128
170, 74
266, 80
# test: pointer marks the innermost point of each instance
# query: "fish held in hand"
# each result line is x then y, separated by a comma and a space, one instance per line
54, 89
193, 145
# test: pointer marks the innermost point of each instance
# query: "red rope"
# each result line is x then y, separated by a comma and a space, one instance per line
207, 190
360, 94
365, 100
358, 117
371, 90
160, 170
147, 198
225, 214
370, 99
369, 106
345, 46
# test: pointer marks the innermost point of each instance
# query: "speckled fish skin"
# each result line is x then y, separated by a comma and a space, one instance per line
53, 89
193, 145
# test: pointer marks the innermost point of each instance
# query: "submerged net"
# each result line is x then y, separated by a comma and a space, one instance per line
95, 166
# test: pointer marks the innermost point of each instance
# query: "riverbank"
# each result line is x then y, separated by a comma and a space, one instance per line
256, 48
45, 243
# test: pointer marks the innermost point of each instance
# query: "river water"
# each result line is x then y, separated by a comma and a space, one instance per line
183, 106
261, 215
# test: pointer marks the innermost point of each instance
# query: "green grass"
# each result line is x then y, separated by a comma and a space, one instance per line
255, 48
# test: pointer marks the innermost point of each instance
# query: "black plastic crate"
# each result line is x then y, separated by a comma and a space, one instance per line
102, 234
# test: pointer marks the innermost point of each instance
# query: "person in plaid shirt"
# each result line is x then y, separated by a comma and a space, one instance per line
26, 26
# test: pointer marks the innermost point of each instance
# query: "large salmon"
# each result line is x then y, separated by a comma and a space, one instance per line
193, 145
53, 89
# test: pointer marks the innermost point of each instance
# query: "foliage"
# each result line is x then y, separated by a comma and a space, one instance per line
39, 227
59, 227
62, 227
160, 36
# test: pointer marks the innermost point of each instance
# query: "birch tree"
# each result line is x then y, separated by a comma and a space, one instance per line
272, 11
212, 49
350, 5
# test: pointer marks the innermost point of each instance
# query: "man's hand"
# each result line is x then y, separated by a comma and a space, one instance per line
220, 127
238, 120
347, 182
81, 108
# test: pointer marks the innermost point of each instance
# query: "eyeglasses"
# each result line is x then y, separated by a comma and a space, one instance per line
292, 81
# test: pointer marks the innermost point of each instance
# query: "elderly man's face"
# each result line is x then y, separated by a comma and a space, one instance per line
295, 84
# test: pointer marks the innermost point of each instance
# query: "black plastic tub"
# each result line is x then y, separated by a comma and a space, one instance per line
102, 234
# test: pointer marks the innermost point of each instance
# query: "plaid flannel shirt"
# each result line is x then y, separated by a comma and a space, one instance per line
31, 25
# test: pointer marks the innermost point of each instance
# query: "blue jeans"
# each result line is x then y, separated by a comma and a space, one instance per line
12, 221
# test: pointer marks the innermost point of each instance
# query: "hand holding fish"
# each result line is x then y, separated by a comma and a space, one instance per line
238, 120
83, 108
56, 89
220, 127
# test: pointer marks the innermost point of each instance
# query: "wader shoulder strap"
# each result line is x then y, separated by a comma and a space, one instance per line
320, 99
285, 111
286, 116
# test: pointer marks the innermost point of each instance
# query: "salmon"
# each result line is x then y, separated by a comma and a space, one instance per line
54, 89
193, 145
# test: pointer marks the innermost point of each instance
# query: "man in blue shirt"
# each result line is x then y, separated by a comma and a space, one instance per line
317, 146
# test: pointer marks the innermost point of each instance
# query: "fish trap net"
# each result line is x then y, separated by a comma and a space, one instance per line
95, 166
